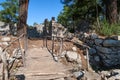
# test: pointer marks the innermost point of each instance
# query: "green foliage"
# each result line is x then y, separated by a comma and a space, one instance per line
78, 10
108, 30
10, 11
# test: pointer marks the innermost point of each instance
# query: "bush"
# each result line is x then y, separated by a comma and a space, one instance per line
108, 30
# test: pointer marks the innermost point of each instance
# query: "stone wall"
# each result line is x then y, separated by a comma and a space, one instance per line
4, 28
103, 52
53, 28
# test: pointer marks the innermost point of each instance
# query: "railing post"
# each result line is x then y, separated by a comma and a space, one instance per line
46, 41
88, 64
25, 42
61, 45
23, 55
5, 66
52, 44
45, 32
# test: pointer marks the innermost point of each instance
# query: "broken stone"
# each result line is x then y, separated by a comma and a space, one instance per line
17, 53
6, 39
94, 36
55, 57
78, 74
10, 60
86, 35
105, 73
116, 74
70, 35
71, 56
74, 48
112, 75
63, 53
79, 60
111, 43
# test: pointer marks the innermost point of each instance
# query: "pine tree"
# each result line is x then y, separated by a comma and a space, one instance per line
9, 13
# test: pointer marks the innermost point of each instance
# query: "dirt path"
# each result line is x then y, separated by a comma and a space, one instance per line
41, 66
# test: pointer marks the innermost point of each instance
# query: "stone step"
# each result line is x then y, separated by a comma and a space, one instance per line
41, 76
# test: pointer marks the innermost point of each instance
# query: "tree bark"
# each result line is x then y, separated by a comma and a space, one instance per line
111, 11
23, 11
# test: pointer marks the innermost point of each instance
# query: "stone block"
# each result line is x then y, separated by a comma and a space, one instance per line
111, 43
71, 56
104, 50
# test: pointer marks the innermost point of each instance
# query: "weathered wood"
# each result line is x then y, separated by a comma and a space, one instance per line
5, 72
5, 66
23, 11
88, 64
13, 42
1, 71
53, 45
46, 41
25, 42
21, 49
76, 41
61, 45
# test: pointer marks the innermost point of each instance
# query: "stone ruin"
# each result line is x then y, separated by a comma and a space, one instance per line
54, 29
103, 52
51, 28
36, 31
58, 30
6, 29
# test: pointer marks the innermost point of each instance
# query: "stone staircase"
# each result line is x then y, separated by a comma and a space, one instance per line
41, 66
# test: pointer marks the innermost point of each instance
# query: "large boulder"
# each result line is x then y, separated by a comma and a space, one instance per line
78, 74
72, 56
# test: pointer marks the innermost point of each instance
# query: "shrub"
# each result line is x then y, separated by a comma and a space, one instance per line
108, 30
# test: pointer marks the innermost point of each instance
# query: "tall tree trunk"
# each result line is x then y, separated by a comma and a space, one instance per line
111, 11
23, 11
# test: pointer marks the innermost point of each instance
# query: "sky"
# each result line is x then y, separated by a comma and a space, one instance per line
39, 10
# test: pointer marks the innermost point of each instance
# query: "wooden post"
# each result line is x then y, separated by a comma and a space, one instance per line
52, 44
45, 31
5, 66
25, 42
23, 55
88, 64
61, 45
23, 10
